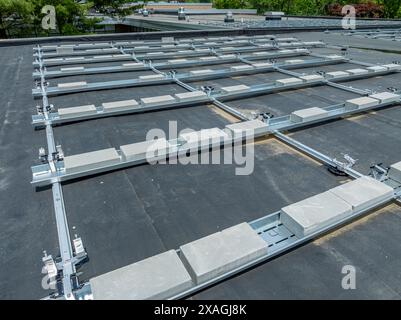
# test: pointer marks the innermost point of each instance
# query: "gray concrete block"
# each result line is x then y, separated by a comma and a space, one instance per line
309, 114
108, 56
53, 60
334, 57
294, 61
174, 61
76, 111
261, 65
386, 97
248, 129
395, 171
120, 105
312, 78
286, 51
212, 58
152, 77
260, 53
377, 69
288, 81
158, 277
159, 100
392, 66
243, 67
64, 50
221, 252
312, 214
203, 139
358, 71
201, 72
91, 160
360, 103
133, 65
150, 149
72, 69
227, 56
75, 59
336, 74
235, 89
363, 192
159, 53
70, 85
191, 96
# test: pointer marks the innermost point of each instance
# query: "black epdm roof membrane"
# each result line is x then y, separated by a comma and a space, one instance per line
128, 215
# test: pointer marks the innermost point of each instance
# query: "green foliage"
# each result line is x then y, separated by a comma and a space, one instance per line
230, 4
392, 8
113, 7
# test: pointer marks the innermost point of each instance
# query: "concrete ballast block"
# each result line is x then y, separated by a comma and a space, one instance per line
392, 66
76, 111
363, 192
312, 78
120, 105
158, 277
243, 67
150, 149
248, 129
312, 214
309, 114
208, 58
201, 72
72, 69
386, 97
203, 139
288, 81
262, 65
222, 252
152, 77
157, 100
235, 89
294, 61
337, 74
360, 103
377, 69
395, 172
70, 85
91, 160
191, 96
133, 65
357, 71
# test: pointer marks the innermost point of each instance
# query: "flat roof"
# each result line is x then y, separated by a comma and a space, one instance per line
124, 216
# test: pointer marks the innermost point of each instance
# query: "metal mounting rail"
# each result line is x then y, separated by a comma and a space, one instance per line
42, 175
220, 73
188, 63
335, 111
66, 251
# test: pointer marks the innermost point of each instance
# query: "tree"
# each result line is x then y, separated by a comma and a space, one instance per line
391, 7
70, 16
113, 7
13, 13
230, 4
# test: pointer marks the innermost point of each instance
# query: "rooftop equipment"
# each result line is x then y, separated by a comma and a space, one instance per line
274, 15
181, 13
229, 17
